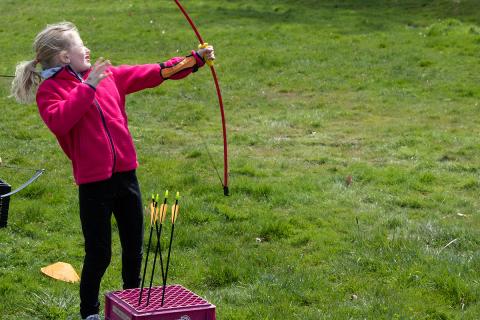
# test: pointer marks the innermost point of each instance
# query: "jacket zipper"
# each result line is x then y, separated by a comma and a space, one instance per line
108, 134
112, 146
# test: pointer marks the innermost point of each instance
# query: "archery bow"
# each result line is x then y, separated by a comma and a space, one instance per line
4, 211
37, 174
220, 100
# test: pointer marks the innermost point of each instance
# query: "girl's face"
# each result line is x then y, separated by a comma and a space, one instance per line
78, 55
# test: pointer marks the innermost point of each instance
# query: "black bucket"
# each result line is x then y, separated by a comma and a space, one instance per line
4, 203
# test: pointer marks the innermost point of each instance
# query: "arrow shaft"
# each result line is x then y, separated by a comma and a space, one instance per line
145, 267
168, 263
159, 244
153, 269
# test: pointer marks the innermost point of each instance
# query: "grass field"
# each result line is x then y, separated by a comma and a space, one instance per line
316, 92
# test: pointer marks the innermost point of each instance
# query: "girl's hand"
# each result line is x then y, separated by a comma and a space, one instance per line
99, 72
207, 53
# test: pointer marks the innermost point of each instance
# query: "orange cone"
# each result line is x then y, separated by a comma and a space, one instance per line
61, 271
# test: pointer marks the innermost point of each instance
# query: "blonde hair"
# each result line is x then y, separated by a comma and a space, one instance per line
47, 45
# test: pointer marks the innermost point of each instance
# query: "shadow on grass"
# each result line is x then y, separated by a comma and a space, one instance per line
373, 15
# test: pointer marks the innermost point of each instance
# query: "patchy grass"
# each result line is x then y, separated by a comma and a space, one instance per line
384, 92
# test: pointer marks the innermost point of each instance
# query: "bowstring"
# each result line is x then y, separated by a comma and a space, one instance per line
195, 126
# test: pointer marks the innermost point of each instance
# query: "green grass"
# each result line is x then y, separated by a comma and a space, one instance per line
315, 91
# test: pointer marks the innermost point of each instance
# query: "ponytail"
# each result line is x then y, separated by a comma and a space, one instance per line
47, 45
26, 82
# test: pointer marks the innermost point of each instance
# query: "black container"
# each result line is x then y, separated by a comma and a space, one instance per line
4, 203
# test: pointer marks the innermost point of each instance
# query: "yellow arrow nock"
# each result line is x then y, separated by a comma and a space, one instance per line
203, 46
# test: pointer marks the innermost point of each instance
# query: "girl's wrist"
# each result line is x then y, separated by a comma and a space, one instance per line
199, 55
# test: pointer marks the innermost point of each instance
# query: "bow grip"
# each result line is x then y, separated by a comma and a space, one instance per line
203, 46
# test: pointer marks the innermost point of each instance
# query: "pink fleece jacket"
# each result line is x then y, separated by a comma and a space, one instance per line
91, 125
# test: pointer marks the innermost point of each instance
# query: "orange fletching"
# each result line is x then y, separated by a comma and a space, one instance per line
152, 213
163, 212
174, 213
155, 216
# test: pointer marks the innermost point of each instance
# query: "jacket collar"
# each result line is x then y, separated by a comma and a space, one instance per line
64, 72
48, 73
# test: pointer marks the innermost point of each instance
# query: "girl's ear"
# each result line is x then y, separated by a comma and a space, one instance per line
64, 58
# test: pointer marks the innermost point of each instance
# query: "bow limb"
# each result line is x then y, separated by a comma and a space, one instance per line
37, 174
220, 101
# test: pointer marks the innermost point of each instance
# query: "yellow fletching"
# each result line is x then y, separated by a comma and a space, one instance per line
174, 213
152, 213
163, 212
155, 217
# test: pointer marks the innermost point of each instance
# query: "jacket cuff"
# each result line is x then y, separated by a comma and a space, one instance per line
198, 58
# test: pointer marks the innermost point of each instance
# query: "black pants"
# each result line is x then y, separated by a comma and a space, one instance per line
121, 195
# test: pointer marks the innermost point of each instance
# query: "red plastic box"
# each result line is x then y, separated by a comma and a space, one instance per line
179, 304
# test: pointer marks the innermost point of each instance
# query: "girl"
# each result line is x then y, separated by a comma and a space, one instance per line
84, 107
